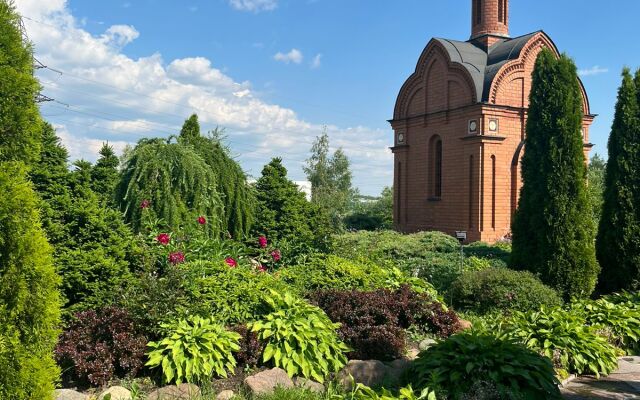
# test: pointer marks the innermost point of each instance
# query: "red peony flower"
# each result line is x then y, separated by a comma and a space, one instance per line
231, 262
202, 220
163, 239
145, 204
262, 241
176, 258
262, 268
276, 255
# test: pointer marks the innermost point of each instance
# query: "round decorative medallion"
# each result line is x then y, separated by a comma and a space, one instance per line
400, 137
473, 126
493, 125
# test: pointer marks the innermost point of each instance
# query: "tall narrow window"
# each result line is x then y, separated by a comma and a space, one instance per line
437, 189
434, 172
506, 11
478, 12
501, 11
493, 192
470, 191
399, 193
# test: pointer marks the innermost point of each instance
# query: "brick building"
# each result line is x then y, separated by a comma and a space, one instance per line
459, 125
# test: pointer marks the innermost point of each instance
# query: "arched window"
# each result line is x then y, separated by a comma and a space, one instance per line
435, 162
502, 11
493, 191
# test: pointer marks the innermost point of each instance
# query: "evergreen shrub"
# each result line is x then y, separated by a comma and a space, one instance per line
100, 345
29, 299
500, 289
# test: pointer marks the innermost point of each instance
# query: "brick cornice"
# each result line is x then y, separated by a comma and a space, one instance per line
483, 138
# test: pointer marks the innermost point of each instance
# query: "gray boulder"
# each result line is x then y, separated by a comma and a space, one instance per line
183, 391
225, 395
308, 384
266, 381
68, 394
117, 393
370, 373
426, 343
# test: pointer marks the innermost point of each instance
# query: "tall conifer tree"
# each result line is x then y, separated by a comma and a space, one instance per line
104, 175
553, 229
618, 243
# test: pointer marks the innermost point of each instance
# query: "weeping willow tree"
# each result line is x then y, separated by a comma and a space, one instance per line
238, 197
173, 183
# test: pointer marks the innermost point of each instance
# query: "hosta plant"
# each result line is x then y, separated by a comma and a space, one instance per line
620, 323
362, 392
455, 366
194, 350
300, 338
563, 337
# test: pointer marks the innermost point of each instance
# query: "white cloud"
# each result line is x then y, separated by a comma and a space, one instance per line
294, 56
119, 99
317, 61
254, 5
595, 70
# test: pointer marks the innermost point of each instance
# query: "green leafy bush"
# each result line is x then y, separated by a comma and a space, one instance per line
459, 363
333, 272
563, 337
494, 289
208, 289
196, 349
29, 302
361, 392
300, 338
619, 323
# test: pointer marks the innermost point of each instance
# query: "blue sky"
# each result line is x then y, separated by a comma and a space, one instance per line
274, 72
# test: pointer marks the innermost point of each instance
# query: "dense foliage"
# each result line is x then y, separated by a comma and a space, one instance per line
373, 323
105, 175
618, 242
371, 214
563, 337
500, 289
93, 248
251, 349
595, 186
299, 338
99, 346
457, 365
552, 228
238, 198
19, 117
173, 183
285, 216
196, 349
29, 301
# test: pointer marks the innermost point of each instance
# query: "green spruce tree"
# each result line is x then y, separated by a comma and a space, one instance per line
618, 241
553, 229
237, 196
92, 245
104, 175
284, 215
19, 116
29, 303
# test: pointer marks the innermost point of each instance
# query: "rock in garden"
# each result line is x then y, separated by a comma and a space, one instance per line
184, 391
464, 324
426, 343
396, 371
370, 373
308, 384
117, 393
225, 395
266, 381
68, 394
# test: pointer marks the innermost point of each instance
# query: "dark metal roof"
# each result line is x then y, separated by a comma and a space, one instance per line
483, 65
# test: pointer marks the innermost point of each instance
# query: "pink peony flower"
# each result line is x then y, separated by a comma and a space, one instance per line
231, 262
262, 268
145, 204
163, 239
276, 255
202, 220
262, 241
176, 258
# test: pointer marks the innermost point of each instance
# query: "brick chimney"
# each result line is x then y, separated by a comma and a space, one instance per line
489, 21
